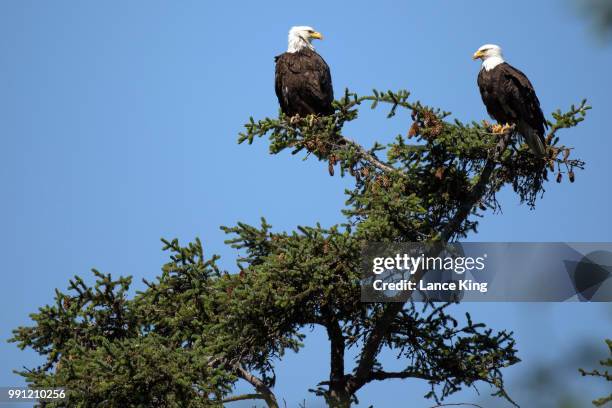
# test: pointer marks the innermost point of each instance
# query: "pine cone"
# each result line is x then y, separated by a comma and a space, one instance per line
414, 130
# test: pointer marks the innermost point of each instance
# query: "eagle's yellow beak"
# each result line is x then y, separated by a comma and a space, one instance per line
477, 54
316, 35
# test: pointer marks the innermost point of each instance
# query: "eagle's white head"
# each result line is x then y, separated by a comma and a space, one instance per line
300, 38
491, 56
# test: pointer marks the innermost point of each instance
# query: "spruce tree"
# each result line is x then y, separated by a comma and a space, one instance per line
193, 332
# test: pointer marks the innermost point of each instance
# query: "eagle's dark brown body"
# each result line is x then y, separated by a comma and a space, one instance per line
303, 84
510, 98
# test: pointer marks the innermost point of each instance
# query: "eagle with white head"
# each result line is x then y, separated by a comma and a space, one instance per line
302, 78
510, 98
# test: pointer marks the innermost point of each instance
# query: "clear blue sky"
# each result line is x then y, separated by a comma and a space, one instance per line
119, 121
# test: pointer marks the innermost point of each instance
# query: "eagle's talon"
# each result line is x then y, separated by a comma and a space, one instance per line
311, 119
501, 129
295, 119
497, 128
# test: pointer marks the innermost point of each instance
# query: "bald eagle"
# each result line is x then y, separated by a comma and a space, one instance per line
510, 98
302, 79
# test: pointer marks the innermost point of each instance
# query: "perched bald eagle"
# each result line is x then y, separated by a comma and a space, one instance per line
510, 98
302, 79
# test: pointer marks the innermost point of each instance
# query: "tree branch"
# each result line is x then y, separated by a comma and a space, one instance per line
259, 385
363, 153
384, 375
372, 345
478, 189
336, 338
242, 398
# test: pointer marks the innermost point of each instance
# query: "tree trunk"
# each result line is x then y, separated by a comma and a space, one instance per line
339, 399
